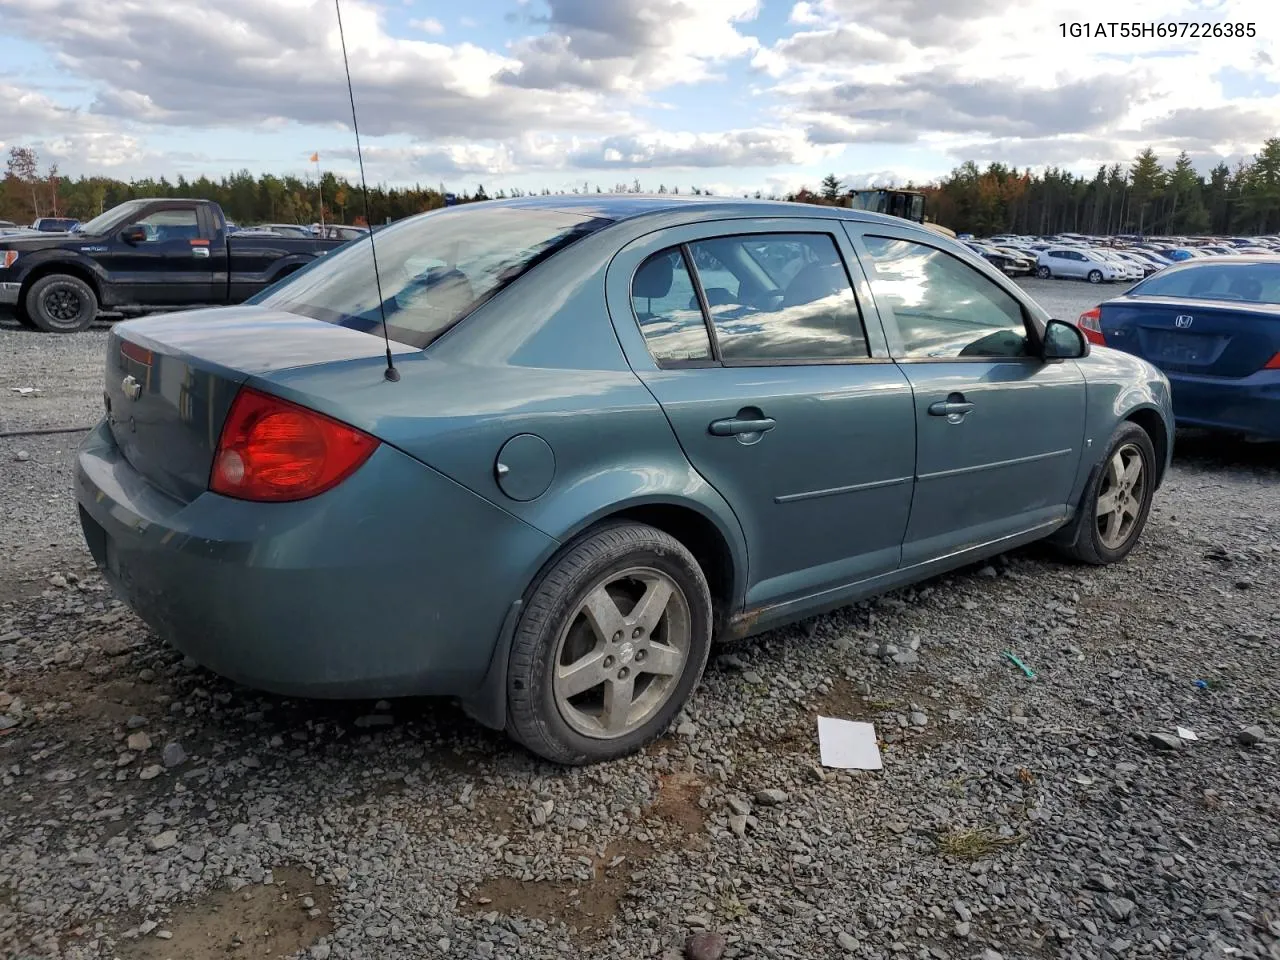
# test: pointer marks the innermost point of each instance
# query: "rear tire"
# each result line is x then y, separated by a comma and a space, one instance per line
613, 640
1044, 273
1114, 509
59, 303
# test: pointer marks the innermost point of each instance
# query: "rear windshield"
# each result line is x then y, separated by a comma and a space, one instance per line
1251, 282
434, 269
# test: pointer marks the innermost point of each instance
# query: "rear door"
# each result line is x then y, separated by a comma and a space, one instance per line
752, 339
999, 431
172, 265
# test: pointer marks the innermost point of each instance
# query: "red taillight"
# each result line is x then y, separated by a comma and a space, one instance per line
1090, 324
274, 450
1273, 363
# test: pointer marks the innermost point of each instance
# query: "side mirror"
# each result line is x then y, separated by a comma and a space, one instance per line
135, 233
1063, 341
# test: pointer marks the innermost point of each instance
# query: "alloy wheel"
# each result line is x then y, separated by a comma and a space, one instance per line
62, 304
622, 653
1121, 496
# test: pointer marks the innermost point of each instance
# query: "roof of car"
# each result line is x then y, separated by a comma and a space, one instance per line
627, 206
1219, 261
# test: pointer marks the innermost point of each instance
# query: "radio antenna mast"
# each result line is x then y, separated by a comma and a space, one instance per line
391, 373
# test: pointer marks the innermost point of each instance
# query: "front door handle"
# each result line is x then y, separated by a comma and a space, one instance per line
950, 408
736, 426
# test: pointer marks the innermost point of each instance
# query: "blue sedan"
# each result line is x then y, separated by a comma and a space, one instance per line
560, 444
1213, 327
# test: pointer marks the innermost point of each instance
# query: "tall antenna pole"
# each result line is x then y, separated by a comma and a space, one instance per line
319, 189
391, 373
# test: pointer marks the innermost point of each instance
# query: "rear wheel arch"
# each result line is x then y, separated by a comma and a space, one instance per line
701, 537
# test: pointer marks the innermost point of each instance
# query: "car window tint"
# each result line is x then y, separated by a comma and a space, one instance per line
171, 225
943, 307
667, 309
1250, 282
780, 297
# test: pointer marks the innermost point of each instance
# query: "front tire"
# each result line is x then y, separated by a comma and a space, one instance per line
613, 640
1115, 506
60, 303
1095, 276
1043, 273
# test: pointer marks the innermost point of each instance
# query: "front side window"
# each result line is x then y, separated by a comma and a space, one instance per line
780, 298
435, 268
944, 308
170, 225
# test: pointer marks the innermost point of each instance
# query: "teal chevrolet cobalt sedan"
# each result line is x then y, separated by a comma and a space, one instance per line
599, 433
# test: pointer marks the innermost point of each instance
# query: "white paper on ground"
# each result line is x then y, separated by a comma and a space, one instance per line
848, 744
1185, 734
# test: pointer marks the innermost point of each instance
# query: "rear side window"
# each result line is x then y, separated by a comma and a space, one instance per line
769, 298
666, 307
781, 298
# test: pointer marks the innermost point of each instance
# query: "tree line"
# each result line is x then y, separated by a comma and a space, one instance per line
1143, 198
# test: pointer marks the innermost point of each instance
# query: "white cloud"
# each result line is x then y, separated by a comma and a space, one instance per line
619, 88
428, 25
246, 62
631, 46
862, 71
742, 149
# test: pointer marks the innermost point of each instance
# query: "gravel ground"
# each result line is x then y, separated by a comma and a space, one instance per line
150, 810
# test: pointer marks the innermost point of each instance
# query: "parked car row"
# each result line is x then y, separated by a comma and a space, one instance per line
1110, 259
314, 231
40, 225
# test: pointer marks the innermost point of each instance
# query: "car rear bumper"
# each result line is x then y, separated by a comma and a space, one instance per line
9, 294
394, 583
1249, 405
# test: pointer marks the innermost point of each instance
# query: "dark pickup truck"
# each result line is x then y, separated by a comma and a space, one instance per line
142, 256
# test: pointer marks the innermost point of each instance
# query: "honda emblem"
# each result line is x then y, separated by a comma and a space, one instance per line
1182, 321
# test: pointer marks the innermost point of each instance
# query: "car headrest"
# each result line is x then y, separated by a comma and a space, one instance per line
1246, 288
653, 279
813, 282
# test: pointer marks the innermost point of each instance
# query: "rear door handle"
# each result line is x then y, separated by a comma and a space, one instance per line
949, 408
734, 427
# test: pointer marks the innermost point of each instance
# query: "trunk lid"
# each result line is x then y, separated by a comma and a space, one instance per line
1215, 338
170, 380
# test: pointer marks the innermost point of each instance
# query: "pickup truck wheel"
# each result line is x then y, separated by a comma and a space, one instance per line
60, 303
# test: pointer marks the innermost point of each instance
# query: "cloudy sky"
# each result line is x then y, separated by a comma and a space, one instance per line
727, 94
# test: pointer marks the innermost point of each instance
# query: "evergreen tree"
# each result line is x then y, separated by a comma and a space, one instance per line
831, 188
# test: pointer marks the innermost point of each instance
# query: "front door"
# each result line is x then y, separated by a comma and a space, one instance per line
999, 431
753, 342
171, 264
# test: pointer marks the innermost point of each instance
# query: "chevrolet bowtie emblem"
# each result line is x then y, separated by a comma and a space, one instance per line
131, 387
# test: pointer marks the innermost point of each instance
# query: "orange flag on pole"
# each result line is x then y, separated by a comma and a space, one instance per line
315, 157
